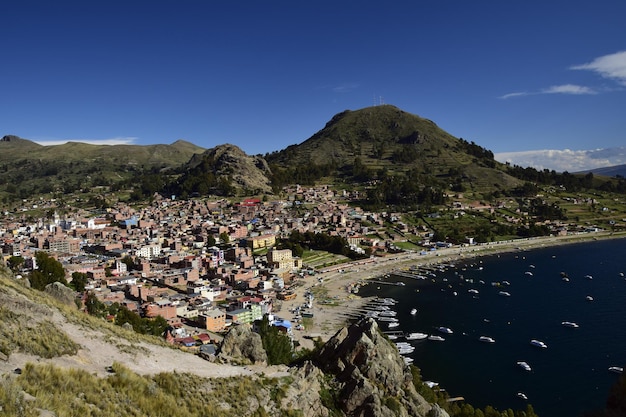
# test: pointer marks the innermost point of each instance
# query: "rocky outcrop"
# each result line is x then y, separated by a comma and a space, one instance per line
61, 293
371, 375
229, 163
241, 345
304, 391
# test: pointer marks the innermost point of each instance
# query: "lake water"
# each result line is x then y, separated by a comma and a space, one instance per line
571, 375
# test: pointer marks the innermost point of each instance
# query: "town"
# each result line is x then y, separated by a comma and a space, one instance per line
203, 265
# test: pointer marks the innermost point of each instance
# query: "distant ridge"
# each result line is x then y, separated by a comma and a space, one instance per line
612, 171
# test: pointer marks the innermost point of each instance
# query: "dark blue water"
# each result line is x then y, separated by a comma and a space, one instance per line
570, 376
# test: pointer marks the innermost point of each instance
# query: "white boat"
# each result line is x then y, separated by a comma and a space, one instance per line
566, 279
529, 273
416, 336
413, 311
436, 338
525, 366
588, 277
473, 291
522, 395
616, 369
589, 298
487, 339
445, 330
393, 324
504, 293
407, 360
538, 343
570, 324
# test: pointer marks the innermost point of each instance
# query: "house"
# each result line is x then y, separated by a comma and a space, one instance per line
213, 320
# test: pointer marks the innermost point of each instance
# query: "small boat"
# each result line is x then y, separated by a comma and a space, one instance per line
522, 395
393, 324
570, 324
504, 293
588, 277
529, 273
487, 339
538, 343
616, 369
445, 330
413, 311
589, 298
416, 336
436, 338
473, 291
566, 279
525, 366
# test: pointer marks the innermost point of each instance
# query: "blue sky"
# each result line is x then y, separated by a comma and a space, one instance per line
511, 76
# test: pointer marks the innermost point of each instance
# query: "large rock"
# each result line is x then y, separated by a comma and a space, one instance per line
62, 293
372, 376
242, 345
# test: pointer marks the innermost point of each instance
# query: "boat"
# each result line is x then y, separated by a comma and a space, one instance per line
566, 279
413, 311
522, 395
538, 343
445, 330
504, 293
436, 338
616, 369
407, 360
588, 277
473, 291
589, 298
524, 365
487, 339
569, 324
416, 336
529, 273
393, 324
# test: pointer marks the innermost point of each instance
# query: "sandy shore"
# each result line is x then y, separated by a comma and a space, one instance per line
334, 305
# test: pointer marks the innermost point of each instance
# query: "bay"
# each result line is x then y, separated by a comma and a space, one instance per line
571, 375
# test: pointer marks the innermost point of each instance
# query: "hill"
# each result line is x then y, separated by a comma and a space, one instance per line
612, 171
72, 166
385, 138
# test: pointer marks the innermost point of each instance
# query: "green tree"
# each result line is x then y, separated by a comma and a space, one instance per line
79, 281
15, 263
48, 270
277, 345
94, 306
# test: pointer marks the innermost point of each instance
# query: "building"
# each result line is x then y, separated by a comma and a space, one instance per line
213, 320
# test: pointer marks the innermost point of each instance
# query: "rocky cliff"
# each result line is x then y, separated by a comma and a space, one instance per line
370, 375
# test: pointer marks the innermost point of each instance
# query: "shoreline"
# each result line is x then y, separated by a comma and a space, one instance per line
335, 305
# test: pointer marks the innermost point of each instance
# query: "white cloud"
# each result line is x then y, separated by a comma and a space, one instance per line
565, 159
555, 89
128, 140
509, 95
567, 89
612, 66
345, 88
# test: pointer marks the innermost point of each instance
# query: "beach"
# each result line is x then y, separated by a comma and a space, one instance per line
335, 304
